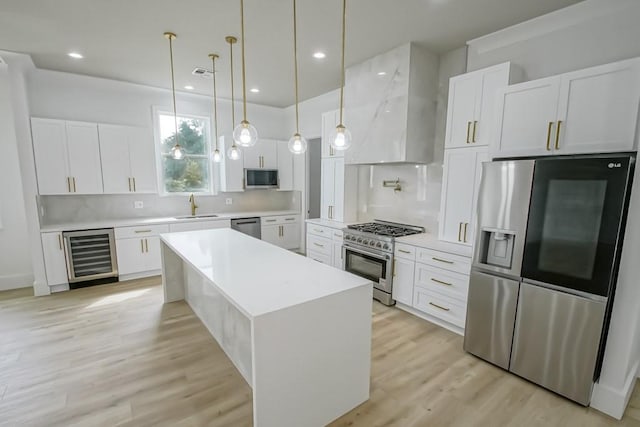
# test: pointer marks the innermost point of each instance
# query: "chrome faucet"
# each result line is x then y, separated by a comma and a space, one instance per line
192, 200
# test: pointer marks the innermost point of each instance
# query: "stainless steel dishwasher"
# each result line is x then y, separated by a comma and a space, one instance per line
249, 226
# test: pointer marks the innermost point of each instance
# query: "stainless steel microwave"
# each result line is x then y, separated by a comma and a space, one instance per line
261, 178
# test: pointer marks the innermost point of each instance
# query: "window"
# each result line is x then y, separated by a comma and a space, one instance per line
192, 173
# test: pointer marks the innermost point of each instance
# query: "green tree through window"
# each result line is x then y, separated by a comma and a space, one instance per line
191, 173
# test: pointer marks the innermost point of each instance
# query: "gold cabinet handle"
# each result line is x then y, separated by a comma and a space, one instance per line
134, 184
270, 220
464, 239
442, 260
289, 219
403, 251
129, 179
473, 135
439, 306
558, 135
318, 244
146, 245
60, 241
142, 231
393, 268
141, 245
549, 136
337, 235
459, 232
69, 184
441, 282
74, 184
468, 131
317, 230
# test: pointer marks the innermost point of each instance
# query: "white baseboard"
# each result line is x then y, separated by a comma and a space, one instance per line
59, 288
16, 281
143, 274
429, 318
613, 402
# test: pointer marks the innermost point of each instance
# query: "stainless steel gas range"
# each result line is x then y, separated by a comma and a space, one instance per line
368, 252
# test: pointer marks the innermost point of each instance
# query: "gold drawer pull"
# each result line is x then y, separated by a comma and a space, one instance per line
442, 260
337, 235
441, 282
270, 220
558, 135
318, 231
143, 231
318, 244
289, 219
439, 306
404, 252
549, 136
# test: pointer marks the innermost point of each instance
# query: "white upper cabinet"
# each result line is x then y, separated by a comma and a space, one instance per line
231, 171
330, 120
285, 166
339, 185
459, 193
263, 155
128, 159
67, 157
593, 110
472, 96
390, 105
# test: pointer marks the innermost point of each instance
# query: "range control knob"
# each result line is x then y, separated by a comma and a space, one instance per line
378, 245
364, 241
385, 246
359, 240
373, 243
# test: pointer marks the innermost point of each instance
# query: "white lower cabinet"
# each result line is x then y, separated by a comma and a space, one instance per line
283, 231
324, 244
403, 272
138, 249
55, 261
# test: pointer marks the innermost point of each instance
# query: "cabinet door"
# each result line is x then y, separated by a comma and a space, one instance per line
83, 148
328, 188
50, 152
55, 261
143, 161
114, 155
337, 212
463, 91
231, 171
526, 118
598, 109
252, 156
285, 166
337, 255
131, 256
153, 258
330, 120
457, 193
271, 234
290, 236
490, 83
269, 152
482, 155
403, 274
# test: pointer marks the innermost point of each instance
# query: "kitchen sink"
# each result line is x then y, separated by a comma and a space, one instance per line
196, 216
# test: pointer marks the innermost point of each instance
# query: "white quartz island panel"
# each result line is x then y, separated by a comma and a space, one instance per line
298, 331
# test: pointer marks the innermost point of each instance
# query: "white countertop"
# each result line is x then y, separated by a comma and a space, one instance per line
256, 276
328, 223
127, 222
430, 241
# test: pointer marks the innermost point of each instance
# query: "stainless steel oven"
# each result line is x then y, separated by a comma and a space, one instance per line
373, 265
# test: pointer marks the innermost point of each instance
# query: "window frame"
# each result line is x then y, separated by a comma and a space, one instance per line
211, 187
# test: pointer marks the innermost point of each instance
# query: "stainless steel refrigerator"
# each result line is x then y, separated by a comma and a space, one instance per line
545, 265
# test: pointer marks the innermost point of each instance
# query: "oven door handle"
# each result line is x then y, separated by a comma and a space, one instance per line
362, 251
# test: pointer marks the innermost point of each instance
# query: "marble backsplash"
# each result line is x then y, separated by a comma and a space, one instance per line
418, 203
65, 209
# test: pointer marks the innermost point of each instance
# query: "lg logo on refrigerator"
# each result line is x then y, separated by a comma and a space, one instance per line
615, 165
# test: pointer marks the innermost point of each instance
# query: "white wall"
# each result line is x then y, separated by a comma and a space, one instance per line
15, 262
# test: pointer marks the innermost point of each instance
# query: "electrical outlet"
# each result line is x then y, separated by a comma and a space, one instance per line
229, 201
138, 204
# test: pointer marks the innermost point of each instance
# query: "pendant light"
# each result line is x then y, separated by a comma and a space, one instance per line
177, 152
217, 156
297, 143
341, 138
234, 152
245, 134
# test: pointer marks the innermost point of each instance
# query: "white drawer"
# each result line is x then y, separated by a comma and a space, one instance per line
444, 282
320, 245
200, 225
405, 251
440, 306
280, 219
319, 230
337, 235
320, 257
141, 231
456, 263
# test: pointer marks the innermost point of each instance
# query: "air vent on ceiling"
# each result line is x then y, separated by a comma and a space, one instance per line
202, 72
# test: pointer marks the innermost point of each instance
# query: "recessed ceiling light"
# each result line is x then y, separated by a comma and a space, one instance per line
75, 55
319, 55
382, 73
188, 87
254, 90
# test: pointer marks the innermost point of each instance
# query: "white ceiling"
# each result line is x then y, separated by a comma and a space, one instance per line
122, 39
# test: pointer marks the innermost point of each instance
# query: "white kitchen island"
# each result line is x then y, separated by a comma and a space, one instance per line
298, 331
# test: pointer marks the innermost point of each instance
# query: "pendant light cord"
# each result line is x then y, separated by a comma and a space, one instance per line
344, 14
215, 98
244, 87
295, 61
173, 86
233, 106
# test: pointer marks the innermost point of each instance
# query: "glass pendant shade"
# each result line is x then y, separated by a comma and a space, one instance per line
341, 138
234, 153
177, 152
217, 156
297, 144
245, 134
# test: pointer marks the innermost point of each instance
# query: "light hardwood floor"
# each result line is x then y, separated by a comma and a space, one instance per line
114, 355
